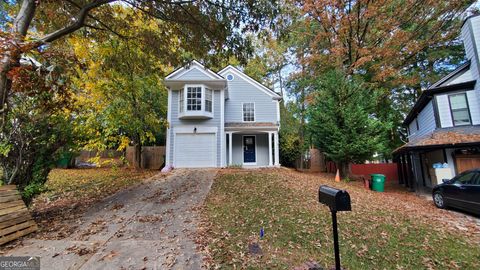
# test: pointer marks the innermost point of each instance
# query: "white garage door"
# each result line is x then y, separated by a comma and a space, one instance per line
195, 150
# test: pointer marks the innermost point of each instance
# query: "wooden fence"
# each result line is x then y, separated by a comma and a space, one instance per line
390, 170
15, 220
152, 156
314, 161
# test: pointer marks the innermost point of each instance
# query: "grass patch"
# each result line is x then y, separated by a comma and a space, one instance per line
89, 184
298, 229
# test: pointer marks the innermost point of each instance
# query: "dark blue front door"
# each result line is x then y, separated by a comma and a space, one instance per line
249, 149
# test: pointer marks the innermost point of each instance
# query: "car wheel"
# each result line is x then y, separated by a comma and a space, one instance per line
438, 200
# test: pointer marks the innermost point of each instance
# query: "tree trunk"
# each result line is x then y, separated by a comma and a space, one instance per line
12, 54
302, 119
21, 24
344, 168
137, 160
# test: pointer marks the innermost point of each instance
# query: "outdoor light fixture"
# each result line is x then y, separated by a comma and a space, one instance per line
195, 130
336, 200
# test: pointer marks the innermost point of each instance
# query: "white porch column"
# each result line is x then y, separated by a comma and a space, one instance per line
270, 163
230, 139
277, 152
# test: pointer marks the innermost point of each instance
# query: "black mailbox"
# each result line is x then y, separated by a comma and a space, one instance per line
336, 199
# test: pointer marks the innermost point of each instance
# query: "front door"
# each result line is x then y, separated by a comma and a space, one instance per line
249, 149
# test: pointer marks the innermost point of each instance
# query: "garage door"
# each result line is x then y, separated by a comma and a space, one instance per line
467, 162
195, 150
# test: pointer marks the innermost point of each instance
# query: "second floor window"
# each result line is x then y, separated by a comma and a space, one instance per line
180, 101
459, 108
248, 112
208, 100
194, 98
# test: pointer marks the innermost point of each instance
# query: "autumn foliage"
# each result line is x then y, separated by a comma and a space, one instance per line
377, 38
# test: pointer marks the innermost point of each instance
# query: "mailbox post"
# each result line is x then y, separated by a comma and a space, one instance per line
336, 200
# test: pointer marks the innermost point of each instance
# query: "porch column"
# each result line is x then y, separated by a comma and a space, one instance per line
277, 152
230, 138
270, 163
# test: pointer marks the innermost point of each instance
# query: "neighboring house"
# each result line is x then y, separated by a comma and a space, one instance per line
444, 124
220, 119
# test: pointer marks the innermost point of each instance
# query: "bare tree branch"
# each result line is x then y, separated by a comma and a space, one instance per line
105, 26
79, 21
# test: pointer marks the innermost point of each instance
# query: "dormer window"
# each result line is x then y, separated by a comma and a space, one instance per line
195, 101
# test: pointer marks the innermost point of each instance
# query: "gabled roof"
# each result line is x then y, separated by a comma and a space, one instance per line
215, 78
458, 72
193, 65
468, 18
250, 80
459, 79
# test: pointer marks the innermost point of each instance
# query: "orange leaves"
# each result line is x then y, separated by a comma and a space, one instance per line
379, 37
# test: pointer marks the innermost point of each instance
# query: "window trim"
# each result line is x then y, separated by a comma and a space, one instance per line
201, 112
451, 110
204, 99
254, 113
181, 101
243, 149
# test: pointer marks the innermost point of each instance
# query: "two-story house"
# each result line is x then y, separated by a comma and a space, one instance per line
220, 119
444, 124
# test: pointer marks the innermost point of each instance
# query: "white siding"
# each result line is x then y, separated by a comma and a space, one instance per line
473, 103
412, 128
193, 74
426, 122
466, 76
213, 122
444, 108
241, 91
450, 161
471, 42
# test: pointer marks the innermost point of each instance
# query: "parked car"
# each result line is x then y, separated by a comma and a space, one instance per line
462, 191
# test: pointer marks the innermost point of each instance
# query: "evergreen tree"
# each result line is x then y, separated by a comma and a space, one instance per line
342, 121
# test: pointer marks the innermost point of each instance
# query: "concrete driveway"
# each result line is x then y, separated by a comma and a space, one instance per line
151, 226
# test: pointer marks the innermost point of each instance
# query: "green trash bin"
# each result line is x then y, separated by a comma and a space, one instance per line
378, 182
64, 160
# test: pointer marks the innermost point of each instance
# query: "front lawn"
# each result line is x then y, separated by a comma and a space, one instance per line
76, 185
392, 230
70, 192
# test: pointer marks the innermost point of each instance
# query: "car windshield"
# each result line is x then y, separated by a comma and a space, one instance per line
466, 178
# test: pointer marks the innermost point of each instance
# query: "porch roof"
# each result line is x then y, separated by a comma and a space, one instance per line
251, 126
444, 137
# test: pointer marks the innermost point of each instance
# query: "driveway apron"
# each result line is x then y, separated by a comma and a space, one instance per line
151, 226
